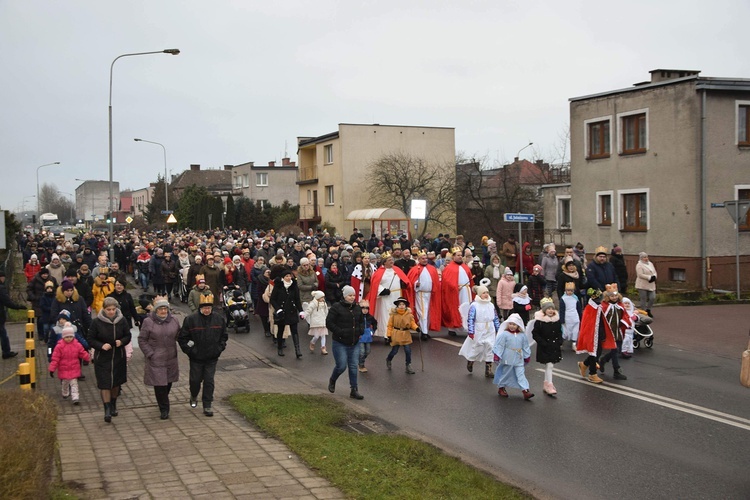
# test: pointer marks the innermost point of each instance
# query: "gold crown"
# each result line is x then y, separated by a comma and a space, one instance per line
422, 254
385, 255
600, 250
611, 288
207, 299
397, 246
546, 302
456, 249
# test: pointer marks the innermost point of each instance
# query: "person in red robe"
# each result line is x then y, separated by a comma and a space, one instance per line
456, 290
619, 320
425, 295
594, 335
385, 285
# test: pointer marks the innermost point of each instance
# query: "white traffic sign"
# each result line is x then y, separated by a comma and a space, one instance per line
737, 208
518, 217
128, 219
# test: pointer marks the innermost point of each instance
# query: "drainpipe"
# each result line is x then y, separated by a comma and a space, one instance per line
703, 191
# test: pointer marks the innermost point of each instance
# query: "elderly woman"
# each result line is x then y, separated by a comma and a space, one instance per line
287, 309
307, 280
158, 342
108, 335
645, 282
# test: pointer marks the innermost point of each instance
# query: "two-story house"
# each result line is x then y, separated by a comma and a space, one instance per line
333, 168
650, 167
269, 184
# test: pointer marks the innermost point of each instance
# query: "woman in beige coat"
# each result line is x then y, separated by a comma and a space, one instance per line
645, 282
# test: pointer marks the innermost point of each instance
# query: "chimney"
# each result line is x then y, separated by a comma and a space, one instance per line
271, 163
293, 164
285, 162
660, 75
228, 167
194, 167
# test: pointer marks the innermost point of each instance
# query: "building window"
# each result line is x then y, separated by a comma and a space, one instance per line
328, 152
743, 194
743, 124
563, 212
676, 274
309, 196
246, 180
598, 139
264, 204
329, 195
604, 209
635, 211
261, 179
634, 133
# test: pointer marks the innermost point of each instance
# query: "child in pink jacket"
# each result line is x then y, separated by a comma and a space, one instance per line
504, 294
65, 360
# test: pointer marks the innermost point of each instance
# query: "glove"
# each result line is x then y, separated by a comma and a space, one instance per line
471, 336
495, 358
526, 361
652, 279
384, 293
52, 374
302, 315
528, 307
419, 329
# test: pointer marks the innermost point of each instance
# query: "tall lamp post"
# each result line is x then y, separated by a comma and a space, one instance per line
173, 52
166, 179
39, 215
518, 155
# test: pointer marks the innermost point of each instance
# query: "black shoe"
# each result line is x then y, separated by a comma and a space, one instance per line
619, 375
113, 405
648, 313
207, 411
601, 366
470, 366
193, 402
409, 370
388, 363
268, 334
82, 377
107, 412
10, 354
281, 351
424, 336
386, 340
164, 414
355, 395
451, 333
331, 385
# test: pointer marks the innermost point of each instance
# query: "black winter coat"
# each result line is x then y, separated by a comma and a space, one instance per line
334, 284
287, 300
110, 367
548, 335
345, 322
209, 334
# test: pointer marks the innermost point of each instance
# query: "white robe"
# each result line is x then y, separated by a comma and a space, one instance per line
391, 281
480, 347
422, 296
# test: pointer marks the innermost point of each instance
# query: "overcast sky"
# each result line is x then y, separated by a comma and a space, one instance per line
254, 75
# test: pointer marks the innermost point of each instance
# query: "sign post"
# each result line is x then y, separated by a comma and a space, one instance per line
418, 211
520, 218
737, 210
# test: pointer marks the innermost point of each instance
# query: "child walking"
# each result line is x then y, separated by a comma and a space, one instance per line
400, 324
365, 340
570, 313
512, 352
547, 333
316, 314
66, 361
482, 324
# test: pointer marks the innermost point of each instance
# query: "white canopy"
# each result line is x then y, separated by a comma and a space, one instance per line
377, 214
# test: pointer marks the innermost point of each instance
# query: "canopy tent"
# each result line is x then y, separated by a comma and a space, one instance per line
380, 220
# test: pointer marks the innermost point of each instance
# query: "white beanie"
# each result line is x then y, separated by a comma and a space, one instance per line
347, 290
317, 294
68, 330
33, 257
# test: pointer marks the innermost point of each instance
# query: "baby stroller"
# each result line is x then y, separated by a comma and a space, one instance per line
235, 305
642, 331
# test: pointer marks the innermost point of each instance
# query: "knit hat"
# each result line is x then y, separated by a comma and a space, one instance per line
161, 301
33, 257
68, 330
546, 303
200, 279
537, 267
63, 314
347, 290
508, 271
480, 289
49, 284
55, 256
317, 294
84, 267
67, 285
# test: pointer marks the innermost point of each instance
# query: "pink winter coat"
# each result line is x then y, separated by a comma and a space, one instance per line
65, 359
504, 295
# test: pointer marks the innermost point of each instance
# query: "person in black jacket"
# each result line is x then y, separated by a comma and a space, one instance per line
334, 283
345, 323
6, 301
127, 304
203, 337
287, 309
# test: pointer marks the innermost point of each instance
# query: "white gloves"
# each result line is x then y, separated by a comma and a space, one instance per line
302, 315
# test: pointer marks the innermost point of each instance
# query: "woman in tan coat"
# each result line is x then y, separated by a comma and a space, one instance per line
645, 282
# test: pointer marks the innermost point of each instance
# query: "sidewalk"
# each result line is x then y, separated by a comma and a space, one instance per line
189, 455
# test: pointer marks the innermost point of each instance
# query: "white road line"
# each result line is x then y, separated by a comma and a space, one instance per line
446, 341
699, 411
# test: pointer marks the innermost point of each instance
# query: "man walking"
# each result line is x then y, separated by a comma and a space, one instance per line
203, 337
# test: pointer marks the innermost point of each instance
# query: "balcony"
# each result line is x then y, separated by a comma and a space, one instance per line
309, 212
307, 175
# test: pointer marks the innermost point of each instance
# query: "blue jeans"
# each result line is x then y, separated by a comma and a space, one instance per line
407, 351
346, 357
144, 280
364, 351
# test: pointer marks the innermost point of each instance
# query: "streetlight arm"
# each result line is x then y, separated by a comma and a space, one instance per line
173, 52
166, 181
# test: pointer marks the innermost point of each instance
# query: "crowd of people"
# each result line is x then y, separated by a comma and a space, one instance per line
360, 290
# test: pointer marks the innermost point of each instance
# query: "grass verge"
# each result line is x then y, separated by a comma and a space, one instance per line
365, 466
27, 443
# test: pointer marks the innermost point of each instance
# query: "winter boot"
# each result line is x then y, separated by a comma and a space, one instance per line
527, 394
502, 392
355, 394
331, 385
107, 412
164, 410
470, 366
295, 339
113, 405
488, 370
619, 375
207, 411
594, 379
388, 363
582, 368
409, 370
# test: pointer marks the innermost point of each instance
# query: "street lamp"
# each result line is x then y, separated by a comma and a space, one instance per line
38, 215
518, 155
173, 52
166, 181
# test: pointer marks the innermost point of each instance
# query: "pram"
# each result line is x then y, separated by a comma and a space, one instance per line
235, 305
642, 331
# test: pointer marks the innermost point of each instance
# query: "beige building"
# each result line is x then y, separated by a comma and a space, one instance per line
141, 198
270, 184
333, 168
647, 164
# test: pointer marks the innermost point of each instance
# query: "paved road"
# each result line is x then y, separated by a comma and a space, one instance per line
677, 428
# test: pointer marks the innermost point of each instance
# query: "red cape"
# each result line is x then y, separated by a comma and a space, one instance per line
449, 295
375, 283
435, 299
588, 339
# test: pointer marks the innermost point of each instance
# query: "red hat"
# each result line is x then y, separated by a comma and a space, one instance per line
227, 260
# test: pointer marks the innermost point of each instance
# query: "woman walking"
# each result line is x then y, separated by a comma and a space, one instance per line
108, 336
158, 342
287, 309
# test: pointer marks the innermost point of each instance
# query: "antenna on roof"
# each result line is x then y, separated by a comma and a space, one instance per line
285, 149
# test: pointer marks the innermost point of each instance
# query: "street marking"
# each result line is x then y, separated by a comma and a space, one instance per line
449, 342
674, 404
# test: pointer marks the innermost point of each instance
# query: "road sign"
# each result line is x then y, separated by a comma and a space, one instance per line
737, 208
128, 219
171, 219
166, 212
418, 209
717, 205
518, 217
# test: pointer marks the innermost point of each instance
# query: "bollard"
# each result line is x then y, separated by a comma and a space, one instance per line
29, 330
24, 376
30, 324
30, 359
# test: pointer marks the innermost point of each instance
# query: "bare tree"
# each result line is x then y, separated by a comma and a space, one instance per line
400, 178
53, 201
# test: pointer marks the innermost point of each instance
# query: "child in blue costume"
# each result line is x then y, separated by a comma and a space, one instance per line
512, 352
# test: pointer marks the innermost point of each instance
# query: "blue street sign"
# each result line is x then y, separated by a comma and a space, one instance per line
518, 217
717, 205
166, 212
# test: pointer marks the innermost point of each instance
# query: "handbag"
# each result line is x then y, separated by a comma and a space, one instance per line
745, 370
